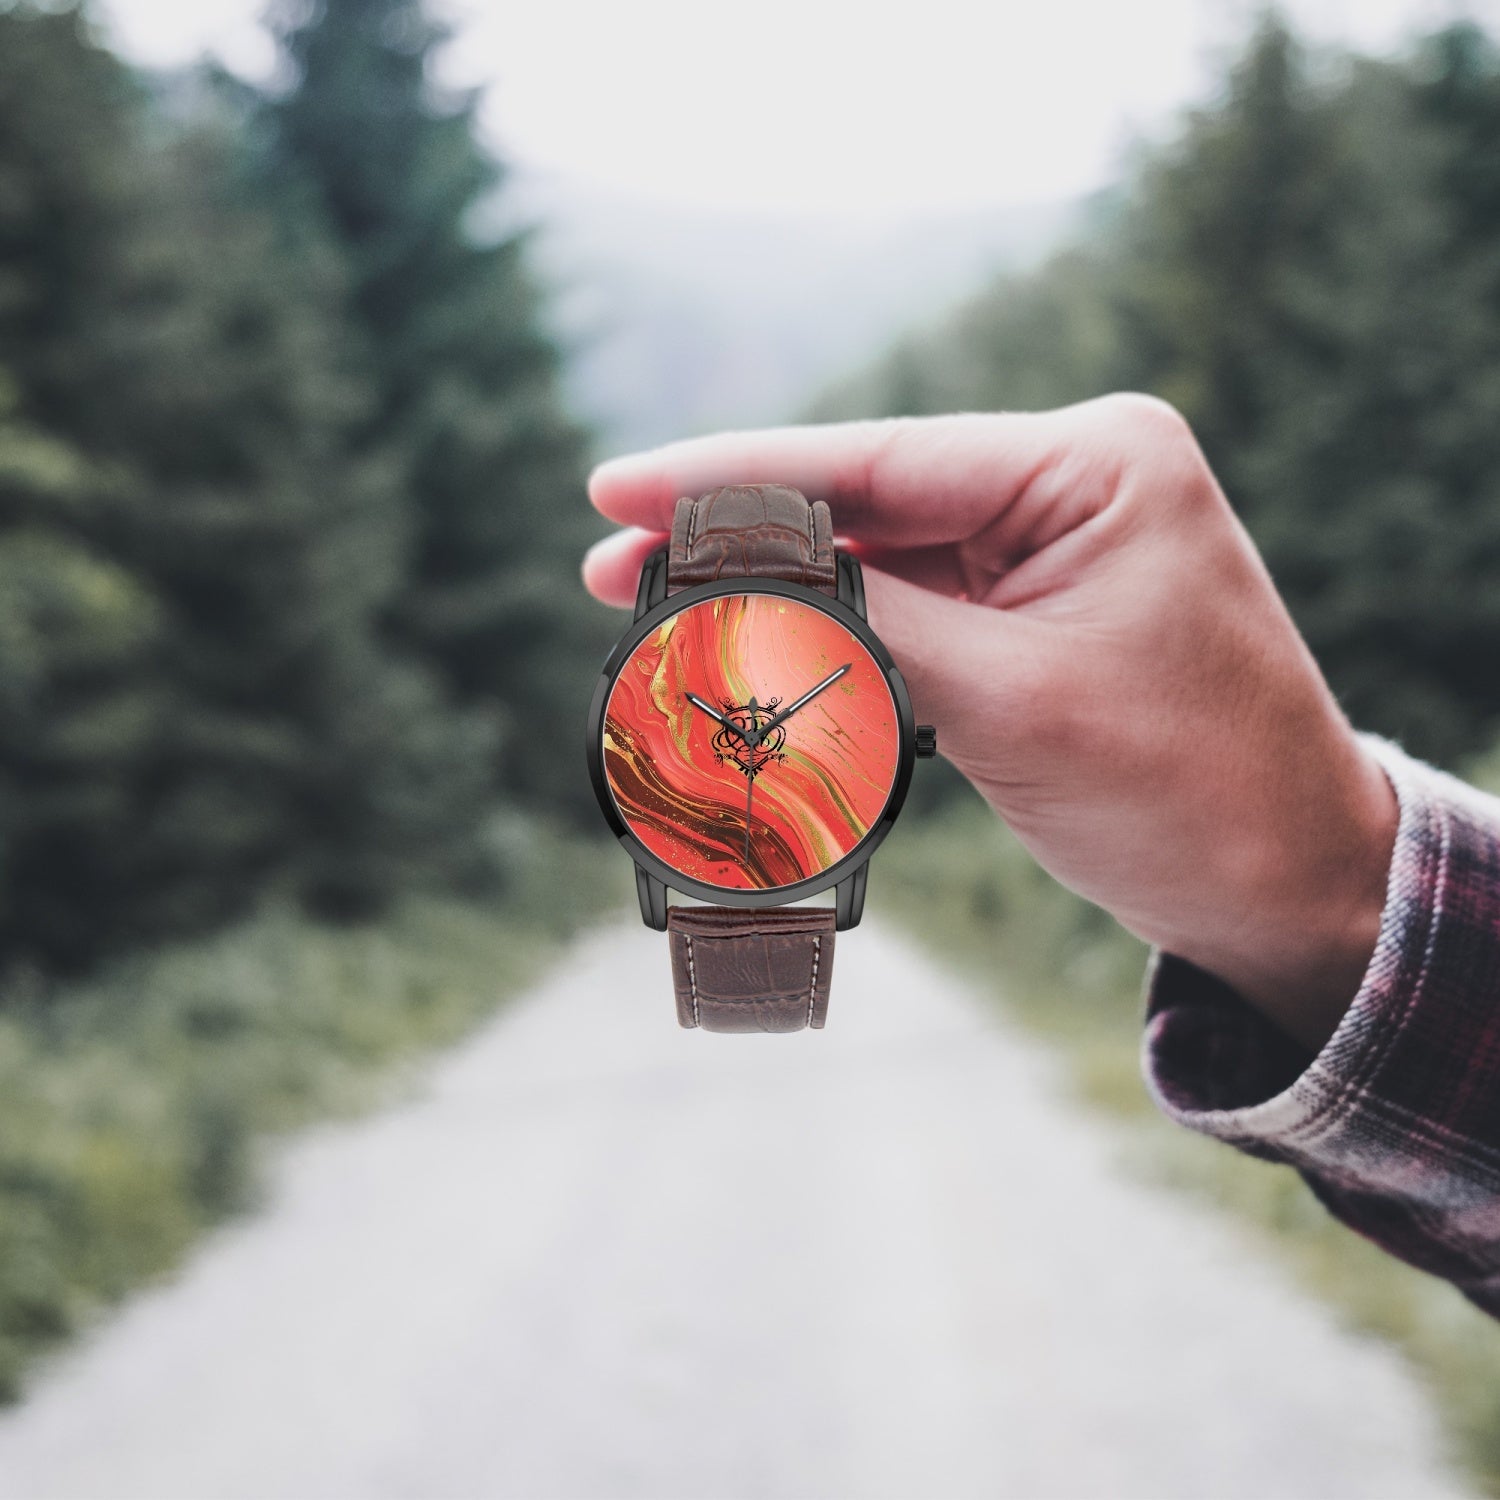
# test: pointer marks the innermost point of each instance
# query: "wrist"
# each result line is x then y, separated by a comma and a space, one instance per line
1310, 904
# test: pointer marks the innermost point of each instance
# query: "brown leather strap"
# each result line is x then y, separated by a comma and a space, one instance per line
764, 969
752, 531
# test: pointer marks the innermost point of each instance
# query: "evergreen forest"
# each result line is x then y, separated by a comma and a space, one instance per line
290, 504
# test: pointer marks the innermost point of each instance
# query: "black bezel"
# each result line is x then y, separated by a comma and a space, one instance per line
779, 895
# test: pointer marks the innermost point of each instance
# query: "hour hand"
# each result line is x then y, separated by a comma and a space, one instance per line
714, 713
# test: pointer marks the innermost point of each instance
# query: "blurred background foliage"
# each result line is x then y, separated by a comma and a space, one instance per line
286, 487
293, 657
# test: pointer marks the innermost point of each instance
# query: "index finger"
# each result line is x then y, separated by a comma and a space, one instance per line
900, 482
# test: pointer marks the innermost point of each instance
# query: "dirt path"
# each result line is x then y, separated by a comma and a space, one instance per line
599, 1257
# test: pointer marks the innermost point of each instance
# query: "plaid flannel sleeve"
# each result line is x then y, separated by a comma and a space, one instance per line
1395, 1123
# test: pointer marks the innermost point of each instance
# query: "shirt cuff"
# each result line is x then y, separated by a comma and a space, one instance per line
1395, 1122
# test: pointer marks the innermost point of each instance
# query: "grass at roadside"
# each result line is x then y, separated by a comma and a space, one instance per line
133, 1105
962, 884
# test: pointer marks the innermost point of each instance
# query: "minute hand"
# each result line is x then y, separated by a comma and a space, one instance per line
807, 697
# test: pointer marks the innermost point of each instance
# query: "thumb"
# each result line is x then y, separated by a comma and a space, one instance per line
967, 666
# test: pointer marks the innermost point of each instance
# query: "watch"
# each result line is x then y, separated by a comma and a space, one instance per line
751, 742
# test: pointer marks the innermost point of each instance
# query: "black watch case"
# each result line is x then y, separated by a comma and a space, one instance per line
652, 875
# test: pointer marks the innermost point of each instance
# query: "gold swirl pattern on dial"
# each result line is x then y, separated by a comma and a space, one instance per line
819, 783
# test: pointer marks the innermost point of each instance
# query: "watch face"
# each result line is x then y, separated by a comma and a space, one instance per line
751, 741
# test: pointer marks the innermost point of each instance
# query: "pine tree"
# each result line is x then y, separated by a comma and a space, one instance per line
467, 379
214, 563
1456, 88
1298, 282
1220, 225
281, 554
81, 707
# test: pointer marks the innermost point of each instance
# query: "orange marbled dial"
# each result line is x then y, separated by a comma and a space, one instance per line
748, 800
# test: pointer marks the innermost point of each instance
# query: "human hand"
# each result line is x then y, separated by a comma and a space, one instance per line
1077, 609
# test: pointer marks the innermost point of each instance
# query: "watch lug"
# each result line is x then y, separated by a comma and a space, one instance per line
849, 899
653, 586
653, 894
851, 583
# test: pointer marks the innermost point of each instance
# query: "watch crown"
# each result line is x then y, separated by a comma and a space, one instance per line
926, 741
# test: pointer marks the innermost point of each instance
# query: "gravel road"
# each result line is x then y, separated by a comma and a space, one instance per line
599, 1257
